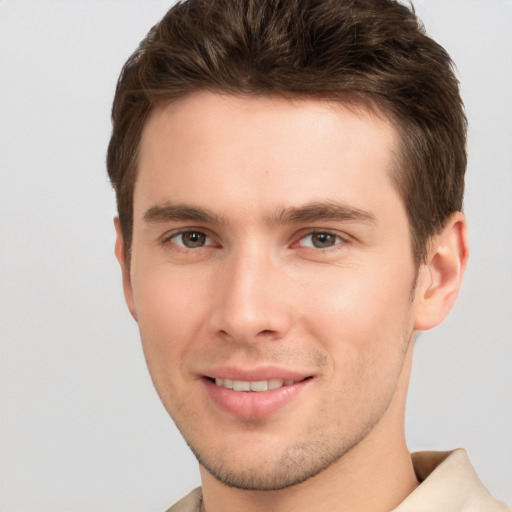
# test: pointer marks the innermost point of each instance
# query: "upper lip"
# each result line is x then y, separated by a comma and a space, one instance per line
255, 374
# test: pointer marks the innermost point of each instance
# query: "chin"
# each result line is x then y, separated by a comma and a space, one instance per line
267, 469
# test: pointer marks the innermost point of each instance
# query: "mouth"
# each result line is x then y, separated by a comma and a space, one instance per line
257, 386
255, 399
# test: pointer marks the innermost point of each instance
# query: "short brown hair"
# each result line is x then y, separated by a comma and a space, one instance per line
369, 52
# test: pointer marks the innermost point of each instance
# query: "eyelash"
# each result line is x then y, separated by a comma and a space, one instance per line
171, 237
338, 239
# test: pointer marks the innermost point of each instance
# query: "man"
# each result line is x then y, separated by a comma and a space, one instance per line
289, 178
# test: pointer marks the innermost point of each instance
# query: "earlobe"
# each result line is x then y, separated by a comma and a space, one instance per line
440, 277
125, 269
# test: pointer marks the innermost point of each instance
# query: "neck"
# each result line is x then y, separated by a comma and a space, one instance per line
375, 475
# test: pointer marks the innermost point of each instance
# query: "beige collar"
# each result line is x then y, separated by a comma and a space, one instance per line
449, 484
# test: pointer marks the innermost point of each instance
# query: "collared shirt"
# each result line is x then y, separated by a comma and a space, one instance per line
448, 483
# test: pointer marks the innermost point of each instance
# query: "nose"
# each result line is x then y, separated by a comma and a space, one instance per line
252, 298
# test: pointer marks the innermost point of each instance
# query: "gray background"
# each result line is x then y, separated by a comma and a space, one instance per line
81, 428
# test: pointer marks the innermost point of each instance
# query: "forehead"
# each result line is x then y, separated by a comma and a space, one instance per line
239, 151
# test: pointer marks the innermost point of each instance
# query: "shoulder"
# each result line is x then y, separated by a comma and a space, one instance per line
190, 503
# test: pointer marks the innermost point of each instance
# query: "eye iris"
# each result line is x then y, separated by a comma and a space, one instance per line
193, 239
323, 240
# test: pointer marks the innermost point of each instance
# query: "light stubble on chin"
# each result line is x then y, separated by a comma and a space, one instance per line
316, 452
294, 464
292, 467
308, 457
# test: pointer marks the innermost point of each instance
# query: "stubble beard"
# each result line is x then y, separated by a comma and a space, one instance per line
288, 465
292, 467
295, 464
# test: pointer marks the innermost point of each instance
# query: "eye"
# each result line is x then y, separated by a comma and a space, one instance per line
320, 240
190, 239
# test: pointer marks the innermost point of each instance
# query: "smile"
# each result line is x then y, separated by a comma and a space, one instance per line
257, 385
254, 398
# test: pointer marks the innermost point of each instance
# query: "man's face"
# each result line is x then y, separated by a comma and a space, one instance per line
271, 252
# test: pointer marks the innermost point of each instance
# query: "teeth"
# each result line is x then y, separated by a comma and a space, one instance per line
258, 385
241, 385
275, 383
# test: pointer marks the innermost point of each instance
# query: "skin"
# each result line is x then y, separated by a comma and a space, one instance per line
299, 260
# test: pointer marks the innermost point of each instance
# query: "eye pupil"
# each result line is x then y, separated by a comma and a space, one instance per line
322, 240
193, 239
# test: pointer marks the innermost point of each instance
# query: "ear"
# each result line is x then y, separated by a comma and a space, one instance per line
440, 276
125, 268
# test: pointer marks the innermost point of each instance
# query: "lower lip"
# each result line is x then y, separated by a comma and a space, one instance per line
253, 404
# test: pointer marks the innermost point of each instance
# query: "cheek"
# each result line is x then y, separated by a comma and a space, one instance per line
363, 319
364, 330
169, 314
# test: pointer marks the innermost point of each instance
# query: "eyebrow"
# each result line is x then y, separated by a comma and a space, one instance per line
322, 211
169, 211
311, 212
